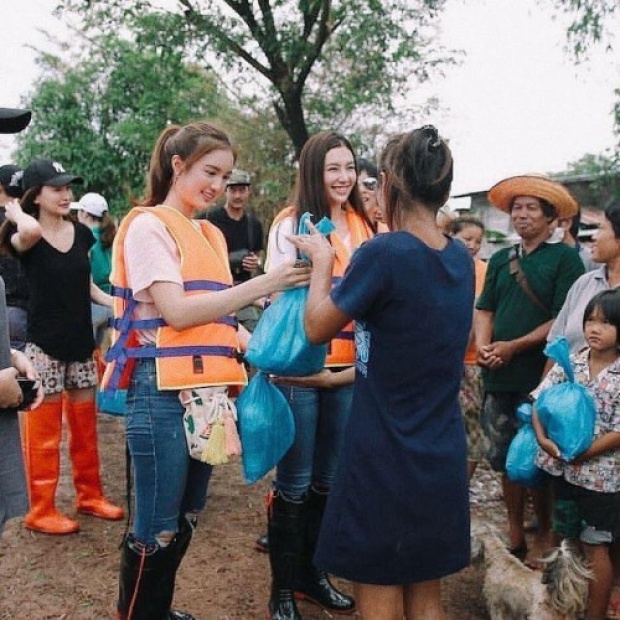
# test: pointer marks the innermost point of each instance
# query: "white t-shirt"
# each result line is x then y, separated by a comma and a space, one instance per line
279, 249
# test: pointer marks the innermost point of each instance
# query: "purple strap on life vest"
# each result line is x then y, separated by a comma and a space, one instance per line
120, 353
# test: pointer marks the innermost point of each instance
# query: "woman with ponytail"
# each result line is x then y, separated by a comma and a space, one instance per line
397, 519
174, 329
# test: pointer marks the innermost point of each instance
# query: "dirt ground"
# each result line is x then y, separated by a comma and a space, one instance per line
222, 578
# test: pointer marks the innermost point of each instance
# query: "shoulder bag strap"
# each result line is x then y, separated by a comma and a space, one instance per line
516, 270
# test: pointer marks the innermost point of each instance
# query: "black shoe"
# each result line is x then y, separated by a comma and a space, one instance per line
282, 606
262, 543
175, 614
320, 591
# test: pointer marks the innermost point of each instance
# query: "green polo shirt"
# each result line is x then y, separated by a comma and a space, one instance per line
550, 271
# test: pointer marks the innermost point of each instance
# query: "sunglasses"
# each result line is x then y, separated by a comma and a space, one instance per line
370, 183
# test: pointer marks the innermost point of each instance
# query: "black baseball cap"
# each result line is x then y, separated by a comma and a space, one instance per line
12, 120
11, 180
48, 172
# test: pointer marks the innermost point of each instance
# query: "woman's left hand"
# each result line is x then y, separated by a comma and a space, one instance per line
314, 245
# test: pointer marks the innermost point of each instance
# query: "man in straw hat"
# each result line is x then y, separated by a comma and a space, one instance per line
524, 289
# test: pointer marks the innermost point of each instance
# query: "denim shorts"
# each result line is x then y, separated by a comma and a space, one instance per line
500, 424
590, 516
168, 482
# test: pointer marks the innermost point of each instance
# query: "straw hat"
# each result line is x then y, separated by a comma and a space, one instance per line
503, 193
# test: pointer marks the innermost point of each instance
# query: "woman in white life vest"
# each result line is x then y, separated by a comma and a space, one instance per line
174, 329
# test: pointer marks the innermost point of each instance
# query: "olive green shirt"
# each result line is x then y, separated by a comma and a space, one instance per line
550, 271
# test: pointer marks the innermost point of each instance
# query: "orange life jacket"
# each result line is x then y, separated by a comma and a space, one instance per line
205, 355
341, 349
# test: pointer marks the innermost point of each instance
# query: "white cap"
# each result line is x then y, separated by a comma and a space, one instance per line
91, 203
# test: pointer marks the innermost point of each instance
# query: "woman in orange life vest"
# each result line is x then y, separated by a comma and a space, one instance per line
326, 187
174, 300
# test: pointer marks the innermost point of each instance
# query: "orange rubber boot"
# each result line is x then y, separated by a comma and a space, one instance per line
42, 434
82, 419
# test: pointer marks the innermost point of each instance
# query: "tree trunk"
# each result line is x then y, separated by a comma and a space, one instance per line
291, 115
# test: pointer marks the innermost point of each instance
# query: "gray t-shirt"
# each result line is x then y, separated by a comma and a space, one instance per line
569, 322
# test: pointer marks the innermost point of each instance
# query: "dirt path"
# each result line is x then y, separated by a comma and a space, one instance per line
223, 578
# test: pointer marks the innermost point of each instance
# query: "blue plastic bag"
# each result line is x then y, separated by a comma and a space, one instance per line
520, 461
279, 344
112, 401
266, 427
566, 411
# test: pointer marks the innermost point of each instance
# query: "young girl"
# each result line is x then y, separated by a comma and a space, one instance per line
470, 231
587, 489
398, 516
54, 252
326, 187
173, 281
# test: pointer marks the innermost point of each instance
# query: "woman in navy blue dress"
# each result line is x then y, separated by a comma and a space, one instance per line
398, 516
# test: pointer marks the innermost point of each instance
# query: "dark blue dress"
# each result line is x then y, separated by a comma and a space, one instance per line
399, 509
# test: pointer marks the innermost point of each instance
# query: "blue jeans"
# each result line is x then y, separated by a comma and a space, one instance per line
321, 417
168, 483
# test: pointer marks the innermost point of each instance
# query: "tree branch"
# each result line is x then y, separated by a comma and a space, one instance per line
197, 18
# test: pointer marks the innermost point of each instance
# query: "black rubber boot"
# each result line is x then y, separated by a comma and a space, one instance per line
146, 583
312, 584
262, 543
181, 544
286, 542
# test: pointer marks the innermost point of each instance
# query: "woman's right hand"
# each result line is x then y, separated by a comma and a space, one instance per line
290, 275
550, 448
13, 210
314, 245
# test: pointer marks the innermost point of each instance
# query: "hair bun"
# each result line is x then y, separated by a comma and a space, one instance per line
434, 141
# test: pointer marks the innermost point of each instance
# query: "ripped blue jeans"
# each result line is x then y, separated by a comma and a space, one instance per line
168, 483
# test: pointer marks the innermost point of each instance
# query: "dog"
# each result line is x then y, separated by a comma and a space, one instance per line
515, 592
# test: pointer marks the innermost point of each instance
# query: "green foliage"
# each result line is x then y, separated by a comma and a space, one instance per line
101, 116
590, 20
319, 62
590, 25
604, 172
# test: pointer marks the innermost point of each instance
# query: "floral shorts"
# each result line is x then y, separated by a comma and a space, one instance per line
471, 397
58, 376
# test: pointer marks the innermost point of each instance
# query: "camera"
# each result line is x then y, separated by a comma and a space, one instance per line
29, 391
236, 259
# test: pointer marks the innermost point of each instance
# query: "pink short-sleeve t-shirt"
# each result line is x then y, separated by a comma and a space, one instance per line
151, 255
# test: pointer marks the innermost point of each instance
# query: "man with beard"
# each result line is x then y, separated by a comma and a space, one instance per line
524, 289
